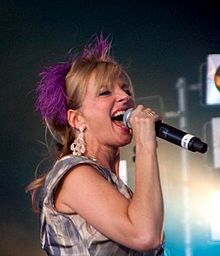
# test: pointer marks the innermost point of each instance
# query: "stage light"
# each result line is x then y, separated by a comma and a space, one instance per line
214, 216
217, 78
123, 171
215, 124
210, 80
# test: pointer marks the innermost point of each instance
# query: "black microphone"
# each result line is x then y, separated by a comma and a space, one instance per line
172, 135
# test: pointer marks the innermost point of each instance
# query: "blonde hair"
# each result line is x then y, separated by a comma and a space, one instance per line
76, 80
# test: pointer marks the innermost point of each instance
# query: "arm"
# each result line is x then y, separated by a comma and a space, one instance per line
147, 197
137, 223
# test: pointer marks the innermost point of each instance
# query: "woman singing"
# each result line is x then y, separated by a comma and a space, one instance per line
85, 208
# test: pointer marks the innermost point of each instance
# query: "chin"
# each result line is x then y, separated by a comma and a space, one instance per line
126, 142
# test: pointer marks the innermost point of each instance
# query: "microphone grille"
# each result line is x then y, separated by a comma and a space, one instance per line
126, 117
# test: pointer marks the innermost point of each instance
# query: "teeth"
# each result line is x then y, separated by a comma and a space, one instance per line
119, 113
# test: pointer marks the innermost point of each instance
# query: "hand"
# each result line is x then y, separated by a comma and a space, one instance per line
143, 126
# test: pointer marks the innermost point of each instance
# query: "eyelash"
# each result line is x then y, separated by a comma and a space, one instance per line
128, 92
107, 92
104, 93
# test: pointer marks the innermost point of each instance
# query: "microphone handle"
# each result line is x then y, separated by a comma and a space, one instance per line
172, 135
179, 137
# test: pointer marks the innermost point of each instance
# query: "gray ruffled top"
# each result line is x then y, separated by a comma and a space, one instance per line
69, 234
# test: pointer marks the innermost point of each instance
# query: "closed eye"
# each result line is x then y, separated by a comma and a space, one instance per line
126, 88
106, 92
128, 92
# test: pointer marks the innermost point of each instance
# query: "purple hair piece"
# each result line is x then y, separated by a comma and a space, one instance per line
98, 48
51, 96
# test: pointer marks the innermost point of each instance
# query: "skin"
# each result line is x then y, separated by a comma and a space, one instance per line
135, 223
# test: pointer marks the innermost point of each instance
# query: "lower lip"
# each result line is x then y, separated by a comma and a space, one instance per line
122, 126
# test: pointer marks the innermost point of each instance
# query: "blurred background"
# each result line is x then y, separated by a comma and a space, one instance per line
165, 47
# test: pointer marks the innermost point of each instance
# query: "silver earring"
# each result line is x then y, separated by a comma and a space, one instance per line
78, 146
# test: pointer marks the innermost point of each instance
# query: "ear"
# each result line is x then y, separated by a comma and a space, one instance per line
75, 118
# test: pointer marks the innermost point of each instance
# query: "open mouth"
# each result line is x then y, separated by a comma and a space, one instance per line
117, 118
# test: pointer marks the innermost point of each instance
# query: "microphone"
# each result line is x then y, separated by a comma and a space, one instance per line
173, 135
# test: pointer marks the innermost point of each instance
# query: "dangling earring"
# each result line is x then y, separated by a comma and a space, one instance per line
78, 145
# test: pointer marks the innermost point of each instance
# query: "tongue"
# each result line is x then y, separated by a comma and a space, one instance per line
119, 123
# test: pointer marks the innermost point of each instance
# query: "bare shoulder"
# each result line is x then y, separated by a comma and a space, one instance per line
78, 185
86, 192
80, 171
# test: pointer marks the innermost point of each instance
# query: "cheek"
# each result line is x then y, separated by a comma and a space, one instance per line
96, 114
97, 131
96, 121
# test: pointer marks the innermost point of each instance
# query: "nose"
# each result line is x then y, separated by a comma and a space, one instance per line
123, 95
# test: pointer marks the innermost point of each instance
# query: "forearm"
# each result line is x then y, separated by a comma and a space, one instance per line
146, 208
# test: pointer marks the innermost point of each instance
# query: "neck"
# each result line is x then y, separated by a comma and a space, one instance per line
106, 158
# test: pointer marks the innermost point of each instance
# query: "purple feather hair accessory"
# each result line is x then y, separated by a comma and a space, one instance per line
98, 48
51, 96
51, 99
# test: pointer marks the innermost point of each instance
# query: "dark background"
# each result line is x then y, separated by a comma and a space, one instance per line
158, 42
